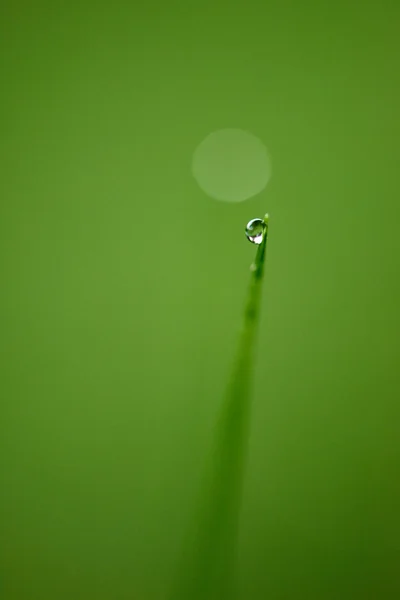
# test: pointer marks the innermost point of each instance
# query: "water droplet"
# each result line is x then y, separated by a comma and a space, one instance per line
255, 230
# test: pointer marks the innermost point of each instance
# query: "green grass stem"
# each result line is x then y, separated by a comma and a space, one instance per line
208, 569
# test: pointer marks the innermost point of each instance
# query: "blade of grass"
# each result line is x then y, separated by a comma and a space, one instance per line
208, 565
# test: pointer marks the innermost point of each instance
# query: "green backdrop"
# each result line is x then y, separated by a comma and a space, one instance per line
123, 286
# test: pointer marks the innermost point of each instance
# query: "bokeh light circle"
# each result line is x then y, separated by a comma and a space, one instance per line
231, 165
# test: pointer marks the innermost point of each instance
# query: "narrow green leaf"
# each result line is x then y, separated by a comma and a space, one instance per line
208, 567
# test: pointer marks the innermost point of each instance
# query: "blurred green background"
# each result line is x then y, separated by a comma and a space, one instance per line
123, 286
